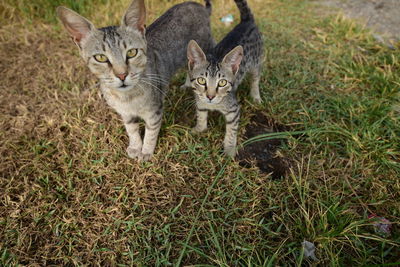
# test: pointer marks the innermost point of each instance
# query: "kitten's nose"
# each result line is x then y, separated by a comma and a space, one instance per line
211, 97
122, 76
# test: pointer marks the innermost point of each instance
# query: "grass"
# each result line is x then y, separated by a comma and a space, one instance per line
70, 196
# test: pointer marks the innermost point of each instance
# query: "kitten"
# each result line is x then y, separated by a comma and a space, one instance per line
134, 64
215, 77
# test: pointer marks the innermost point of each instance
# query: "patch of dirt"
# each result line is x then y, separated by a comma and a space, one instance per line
264, 153
382, 16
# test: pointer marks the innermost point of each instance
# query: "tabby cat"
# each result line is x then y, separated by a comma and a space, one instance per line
134, 64
215, 77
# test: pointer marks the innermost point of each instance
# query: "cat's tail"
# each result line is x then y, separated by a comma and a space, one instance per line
208, 6
245, 12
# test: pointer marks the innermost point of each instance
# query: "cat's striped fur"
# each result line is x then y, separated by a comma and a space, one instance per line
216, 76
134, 65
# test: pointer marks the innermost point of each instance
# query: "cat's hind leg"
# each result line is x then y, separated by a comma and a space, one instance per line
255, 84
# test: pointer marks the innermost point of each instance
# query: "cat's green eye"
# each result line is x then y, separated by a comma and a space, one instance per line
101, 58
222, 83
201, 81
131, 53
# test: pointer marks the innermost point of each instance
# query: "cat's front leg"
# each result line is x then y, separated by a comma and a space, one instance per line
134, 149
201, 122
153, 126
187, 84
232, 126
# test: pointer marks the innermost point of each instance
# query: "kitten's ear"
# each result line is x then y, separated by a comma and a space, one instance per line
195, 54
135, 16
76, 25
233, 58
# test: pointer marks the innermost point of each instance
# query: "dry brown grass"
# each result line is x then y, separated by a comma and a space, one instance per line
70, 196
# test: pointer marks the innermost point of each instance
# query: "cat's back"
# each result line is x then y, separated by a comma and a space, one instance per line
245, 34
178, 24
168, 37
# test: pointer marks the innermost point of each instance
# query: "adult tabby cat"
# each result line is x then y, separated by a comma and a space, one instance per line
215, 77
134, 65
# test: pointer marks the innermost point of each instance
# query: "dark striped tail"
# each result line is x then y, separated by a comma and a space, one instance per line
245, 12
208, 6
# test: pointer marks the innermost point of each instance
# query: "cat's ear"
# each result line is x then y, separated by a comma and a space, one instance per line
233, 58
195, 54
135, 16
76, 25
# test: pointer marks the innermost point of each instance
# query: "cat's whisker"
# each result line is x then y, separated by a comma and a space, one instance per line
155, 83
91, 87
164, 81
158, 89
156, 79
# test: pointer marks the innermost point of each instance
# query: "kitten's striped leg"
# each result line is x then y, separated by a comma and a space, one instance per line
153, 125
134, 149
255, 81
201, 122
232, 126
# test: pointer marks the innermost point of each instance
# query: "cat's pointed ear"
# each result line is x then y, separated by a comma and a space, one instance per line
195, 54
76, 25
233, 58
135, 16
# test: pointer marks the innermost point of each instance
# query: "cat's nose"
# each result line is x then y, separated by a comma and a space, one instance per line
122, 76
211, 97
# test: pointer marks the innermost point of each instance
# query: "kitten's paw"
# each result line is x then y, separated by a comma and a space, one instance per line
230, 151
198, 129
145, 157
257, 100
134, 153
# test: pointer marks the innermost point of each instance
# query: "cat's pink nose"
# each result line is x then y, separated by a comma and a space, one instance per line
211, 97
122, 76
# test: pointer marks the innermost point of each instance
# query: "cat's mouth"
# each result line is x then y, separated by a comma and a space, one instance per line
124, 86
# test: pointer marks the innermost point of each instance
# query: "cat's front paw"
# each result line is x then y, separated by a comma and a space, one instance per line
134, 153
198, 129
230, 151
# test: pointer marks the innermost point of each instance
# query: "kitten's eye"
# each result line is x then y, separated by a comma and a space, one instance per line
222, 83
201, 81
101, 58
131, 53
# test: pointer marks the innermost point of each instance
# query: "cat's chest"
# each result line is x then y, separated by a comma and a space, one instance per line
127, 104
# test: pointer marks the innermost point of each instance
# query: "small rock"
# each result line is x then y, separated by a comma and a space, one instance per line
381, 224
227, 20
309, 250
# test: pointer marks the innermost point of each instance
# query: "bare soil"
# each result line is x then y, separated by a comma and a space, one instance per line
264, 153
382, 16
